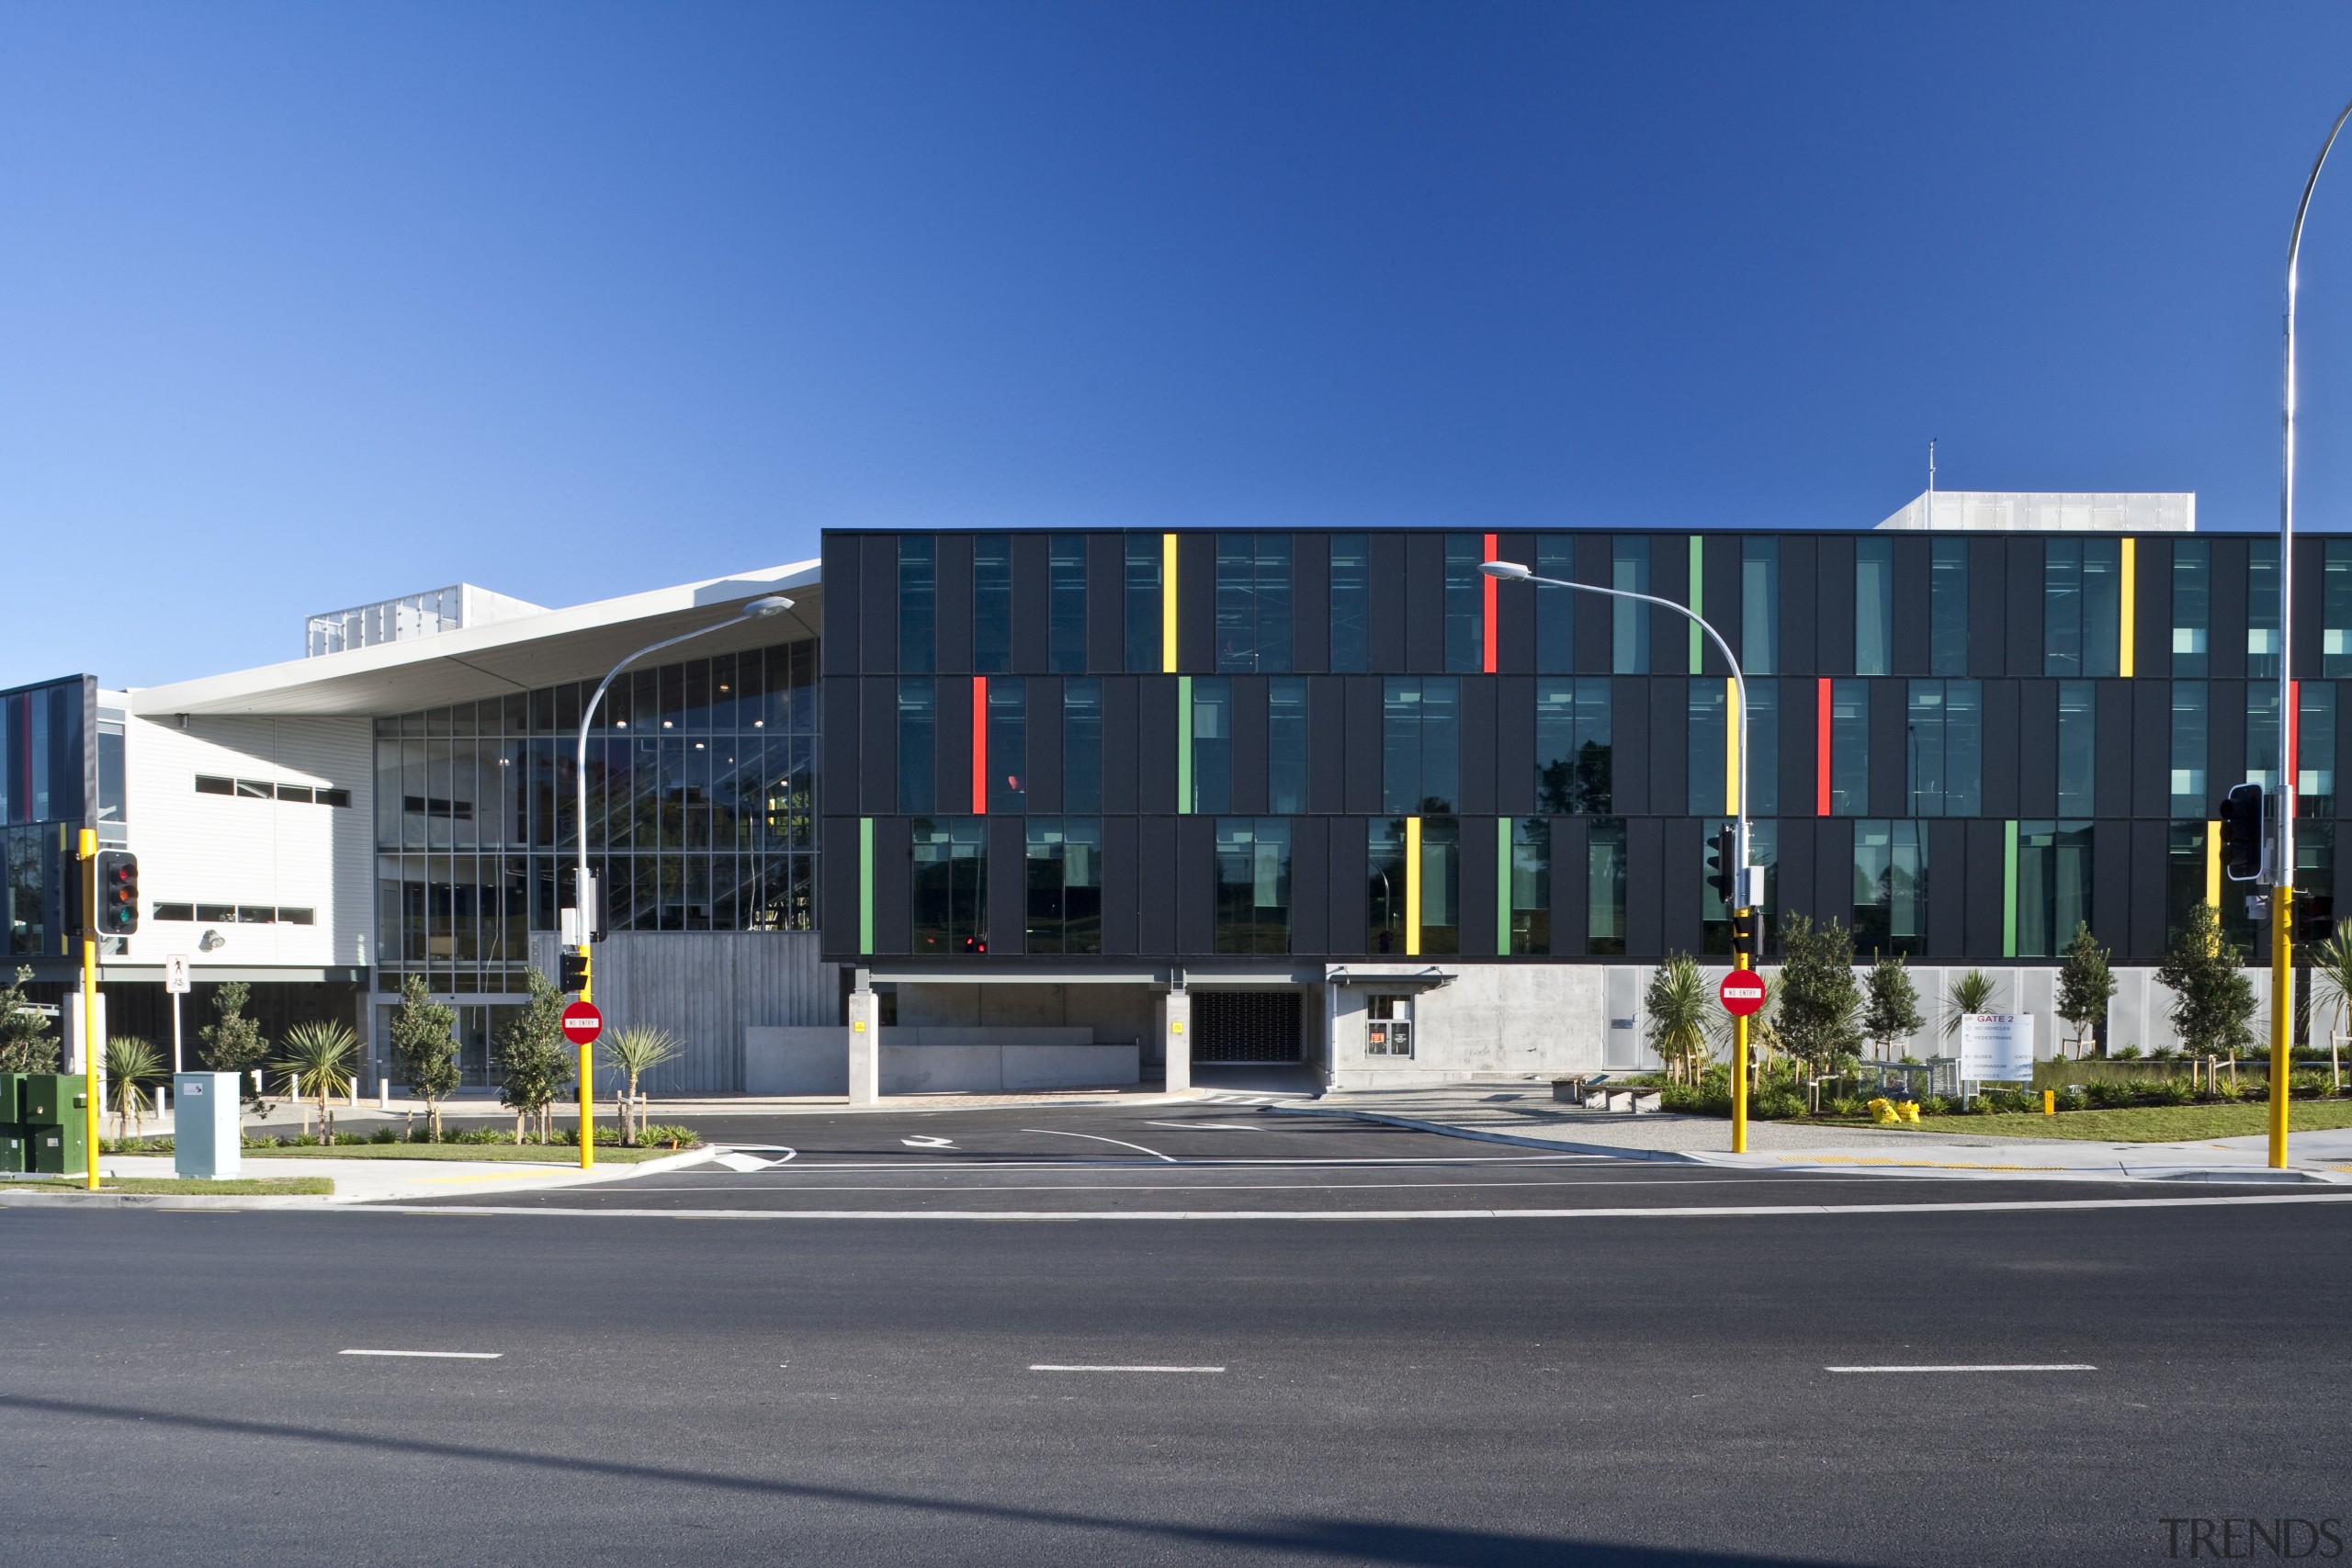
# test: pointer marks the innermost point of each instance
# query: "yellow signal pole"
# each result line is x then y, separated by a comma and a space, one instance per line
88, 848
1739, 1044
587, 1059
2282, 1014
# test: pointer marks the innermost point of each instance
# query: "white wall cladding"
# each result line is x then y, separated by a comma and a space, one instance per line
706, 989
214, 849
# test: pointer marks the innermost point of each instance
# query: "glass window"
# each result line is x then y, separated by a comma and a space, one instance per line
2315, 873
1287, 745
1763, 749
1710, 706
1946, 735
951, 884
1530, 885
1253, 602
1572, 746
2314, 750
2336, 610
1874, 606
1605, 887
1420, 744
1891, 887
2077, 747
1065, 884
2262, 609
110, 784
1066, 604
1252, 885
1849, 748
1007, 744
1144, 648
1384, 884
1948, 607
991, 603
2192, 606
1760, 607
918, 602
1465, 603
2189, 749
2081, 606
1556, 608
918, 731
1082, 744
1351, 604
2185, 869
1441, 885
2053, 884
2262, 734
1628, 572
1212, 744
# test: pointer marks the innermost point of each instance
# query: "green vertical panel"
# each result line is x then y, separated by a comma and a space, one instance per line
1698, 603
866, 884
2009, 890
1502, 886
1184, 744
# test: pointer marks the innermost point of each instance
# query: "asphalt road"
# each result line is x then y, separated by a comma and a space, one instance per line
1623, 1392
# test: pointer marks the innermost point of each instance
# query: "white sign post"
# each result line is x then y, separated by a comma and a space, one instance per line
176, 981
1995, 1047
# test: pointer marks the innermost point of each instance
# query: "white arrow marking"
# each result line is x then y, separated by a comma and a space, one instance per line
928, 1143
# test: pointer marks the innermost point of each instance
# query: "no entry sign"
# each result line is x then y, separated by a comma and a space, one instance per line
1742, 992
583, 1024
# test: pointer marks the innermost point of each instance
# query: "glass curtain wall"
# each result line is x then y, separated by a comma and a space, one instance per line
2192, 606
1605, 887
1252, 885
701, 792
1066, 604
1385, 884
991, 603
1890, 887
1572, 747
2336, 610
2053, 884
2078, 747
1946, 735
1421, 743
2189, 754
1065, 865
2262, 610
1629, 626
951, 884
1556, 608
1759, 607
1948, 607
1530, 887
1351, 604
1287, 745
1849, 748
1082, 743
2314, 749
2081, 606
1253, 602
1465, 603
1874, 606
1143, 557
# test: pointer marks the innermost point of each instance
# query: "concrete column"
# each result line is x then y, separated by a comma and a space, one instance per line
865, 1047
1176, 1038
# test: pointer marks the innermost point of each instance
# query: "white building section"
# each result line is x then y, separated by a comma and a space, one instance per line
2008, 511
429, 613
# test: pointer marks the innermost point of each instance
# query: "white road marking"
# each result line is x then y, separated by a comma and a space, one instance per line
432, 1355
1052, 1132
1989, 1367
1209, 1126
927, 1142
1048, 1367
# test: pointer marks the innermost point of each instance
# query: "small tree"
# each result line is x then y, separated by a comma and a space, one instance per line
1973, 992
130, 1064
1677, 1005
1820, 1003
232, 1042
2085, 985
2212, 1001
636, 1051
1891, 1005
534, 1058
321, 1056
28, 1039
425, 1043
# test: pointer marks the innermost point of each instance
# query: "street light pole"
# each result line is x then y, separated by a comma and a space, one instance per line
1511, 571
2282, 838
758, 609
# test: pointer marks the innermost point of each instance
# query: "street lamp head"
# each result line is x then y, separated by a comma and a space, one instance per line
773, 604
1508, 570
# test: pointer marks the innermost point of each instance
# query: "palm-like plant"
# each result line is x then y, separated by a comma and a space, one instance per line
2332, 977
1973, 992
636, 1051
1677, 1005
320, 1054
130, 1065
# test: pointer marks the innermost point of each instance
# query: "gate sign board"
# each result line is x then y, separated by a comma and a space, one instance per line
1996, 1045
583, 1024
1742, 992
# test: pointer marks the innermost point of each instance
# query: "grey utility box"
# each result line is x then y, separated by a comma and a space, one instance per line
208, 1129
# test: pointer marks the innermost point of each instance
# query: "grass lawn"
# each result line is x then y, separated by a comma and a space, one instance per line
548, 1154
267, 1186
2151, 1123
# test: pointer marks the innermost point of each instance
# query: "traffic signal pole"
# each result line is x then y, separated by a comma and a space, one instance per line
587, 1051
88, 871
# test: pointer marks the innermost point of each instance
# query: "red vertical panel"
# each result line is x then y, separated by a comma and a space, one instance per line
1821, 752
1491, 610
979, 744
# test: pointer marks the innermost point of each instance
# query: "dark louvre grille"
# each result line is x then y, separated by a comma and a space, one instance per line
1244, 1026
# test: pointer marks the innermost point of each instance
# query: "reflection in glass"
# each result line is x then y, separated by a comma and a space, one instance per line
2192, 606
2053, 884
1287, 745
1252, 885
1421, 743
2314, 750
2077, 747
1441, 885
2189, 749
1065, 884
1384, 884
1556, 608
1212, 744
2336, 610
1143, 601
1890, 887
1945, 735
1948, 607
1572, 747
1066, 604
1082, 744
1605, 887
1253, 602
951, 879
1874, 606
1351, 604
1008, 744
1530, 885
918, 730
1629, 633
1849, 748
918, 602
991, 603
1760, 607
2262, 609
1465, 603
1709, 710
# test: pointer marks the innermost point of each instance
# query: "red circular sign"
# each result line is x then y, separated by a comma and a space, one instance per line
1742, 992
583, 1024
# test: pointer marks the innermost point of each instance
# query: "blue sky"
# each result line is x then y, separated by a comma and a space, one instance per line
307, 305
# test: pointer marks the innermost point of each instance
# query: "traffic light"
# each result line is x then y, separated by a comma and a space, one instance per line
575, 970
2242, 833
1744, 924
117, 893
1722, 860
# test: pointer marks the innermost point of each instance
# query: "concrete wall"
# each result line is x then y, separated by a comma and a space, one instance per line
708, 988
815, 1061
1109, 1014
1490, 1020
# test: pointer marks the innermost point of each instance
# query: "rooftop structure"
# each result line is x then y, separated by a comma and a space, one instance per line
428, 614
2026, 511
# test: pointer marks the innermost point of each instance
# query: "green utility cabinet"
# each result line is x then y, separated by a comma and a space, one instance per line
51, 1099
57, 1151
12, 1086
13, 1151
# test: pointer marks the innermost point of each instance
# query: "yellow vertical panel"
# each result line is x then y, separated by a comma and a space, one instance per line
2131, 593
2214, 863
1168, 602
1731, 747
1412, 886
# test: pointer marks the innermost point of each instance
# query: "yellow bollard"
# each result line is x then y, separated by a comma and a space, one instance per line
2050, 1102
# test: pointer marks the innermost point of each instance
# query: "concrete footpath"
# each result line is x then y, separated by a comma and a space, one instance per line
1517, 1113
357, 1180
